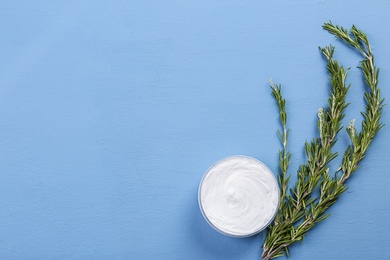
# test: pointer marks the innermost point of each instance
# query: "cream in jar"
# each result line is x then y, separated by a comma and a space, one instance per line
239, 196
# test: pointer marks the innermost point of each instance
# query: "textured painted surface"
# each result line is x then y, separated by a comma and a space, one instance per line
111, 111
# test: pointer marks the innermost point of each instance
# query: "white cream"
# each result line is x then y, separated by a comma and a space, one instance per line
239, 196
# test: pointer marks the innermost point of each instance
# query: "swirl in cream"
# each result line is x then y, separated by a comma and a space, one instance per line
239, 196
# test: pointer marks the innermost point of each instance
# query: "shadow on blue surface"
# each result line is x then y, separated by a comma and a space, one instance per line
218, 246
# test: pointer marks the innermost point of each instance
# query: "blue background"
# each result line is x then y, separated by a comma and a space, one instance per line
111, 111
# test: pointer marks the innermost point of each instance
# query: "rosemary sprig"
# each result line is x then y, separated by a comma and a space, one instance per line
302, 211
284, 154
371, 124
332, 188
319, 155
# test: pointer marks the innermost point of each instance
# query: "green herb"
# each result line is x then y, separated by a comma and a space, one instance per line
284, 155
301, 209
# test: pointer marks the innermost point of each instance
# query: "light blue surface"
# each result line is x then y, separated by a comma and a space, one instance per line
111, 111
